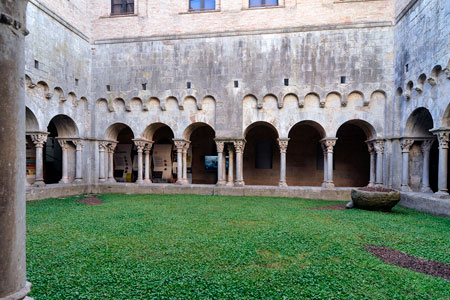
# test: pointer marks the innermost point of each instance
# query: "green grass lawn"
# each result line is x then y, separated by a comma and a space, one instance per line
212, 247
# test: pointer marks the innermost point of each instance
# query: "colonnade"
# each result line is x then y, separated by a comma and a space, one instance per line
426, 143
39, 139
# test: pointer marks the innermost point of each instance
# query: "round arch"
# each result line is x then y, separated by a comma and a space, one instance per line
65, 126
419, 123
193, 127
113, 131
260, 123
151, 129
31, 123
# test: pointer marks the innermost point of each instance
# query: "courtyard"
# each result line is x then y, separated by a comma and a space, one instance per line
217, 247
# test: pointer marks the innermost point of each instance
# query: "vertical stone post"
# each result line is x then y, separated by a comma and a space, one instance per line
325, 165
426, 148
140, 145
283, 143
65, 148
39, 139
102, 146
379, 149
111, 148
220, 165
230, 181
329, 144
185, 152
147, 149
372, 163
13, 283
239, 146
405, 144
78, 168
179, 144
443, 138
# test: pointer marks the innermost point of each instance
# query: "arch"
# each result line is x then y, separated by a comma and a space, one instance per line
112, 132
304, 154
330, 102
261, 154
260, 123
365, 126
355, 98
419, 123
192, 127
65, 126
312, 97
31, 122
151, 129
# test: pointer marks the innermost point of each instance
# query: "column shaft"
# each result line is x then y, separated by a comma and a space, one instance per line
147, 163
78, 162
283, 144
406, 145
230, 181
179, 144
426, 147
220, 165
65, 148
101, 159
239, 148
39, 140
325, 166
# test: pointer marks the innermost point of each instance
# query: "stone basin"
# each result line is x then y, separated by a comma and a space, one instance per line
375, 199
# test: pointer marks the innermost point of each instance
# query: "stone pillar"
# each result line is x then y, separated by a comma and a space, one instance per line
239, 146
325, 165
140, 145
185, 152
371, 149
405, 145
78, 168
13, 283
329, 144
102, 147
111, 148
379, 149
220, 165
230, 181
147, 149
283, 143
39, 139
443, 138
426, 148
179, 144
65, 148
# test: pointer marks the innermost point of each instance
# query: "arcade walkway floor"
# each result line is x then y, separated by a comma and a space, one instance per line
214, 247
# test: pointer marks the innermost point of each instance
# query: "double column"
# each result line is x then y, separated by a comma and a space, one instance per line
239, 146
39, 139
143, 146
328, 147
182, 147
405, 144
110, 148
443, 139
221, 162
376, 151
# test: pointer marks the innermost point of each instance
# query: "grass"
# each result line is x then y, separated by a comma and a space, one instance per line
212, 247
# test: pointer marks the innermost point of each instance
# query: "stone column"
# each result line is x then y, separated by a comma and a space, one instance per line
147, 149
372, 163
65, 148
329, 144
239, 146
179, 144
405, 145
230, 181
185, 151
140, 145
78, 168
111, 148
426, 148
325, 165
39, 139
379, 149
283, 143
13, 283
443, 138
102, 147
220, 165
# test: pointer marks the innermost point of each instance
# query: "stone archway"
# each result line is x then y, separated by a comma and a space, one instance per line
202, 149
351, 155
305, 159
60, 150
261, 155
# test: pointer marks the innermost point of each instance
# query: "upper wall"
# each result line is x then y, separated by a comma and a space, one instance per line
171, 17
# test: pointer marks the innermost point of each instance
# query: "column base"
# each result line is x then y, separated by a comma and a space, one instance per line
221, 182
229, 183
111, 180
371, 184
426, 189
139, 181
239, 183
78, 180
329, 185
20, 295
102, 180
185, 181
282, 184
179, 181
147, 181
441, 194
379, 185
405, 188
39, 183
64, 181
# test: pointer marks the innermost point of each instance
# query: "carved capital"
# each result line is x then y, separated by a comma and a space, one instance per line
443, 139
78, 144
39, 139
64, 143
102, 146
406, 144
220, 146
148, 147
426, 145
283, 143
328, 145
186, 146
179, 144
378, 145
140, 145
239, 146
111, 147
